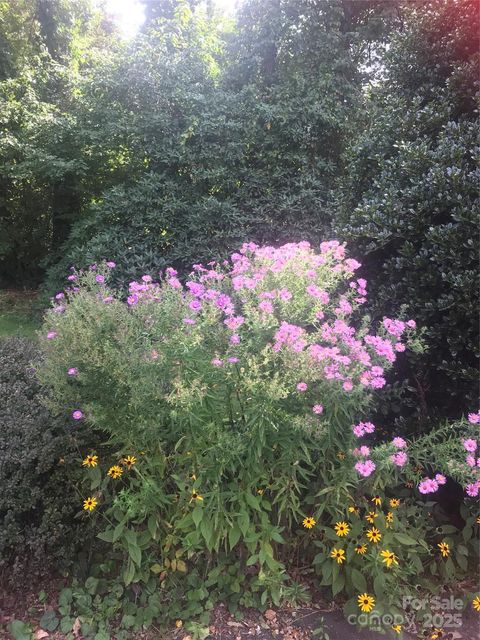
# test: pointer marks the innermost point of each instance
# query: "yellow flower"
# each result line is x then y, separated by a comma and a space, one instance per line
436, 634
366, 602
353, 509
377, 500
342, 529
179, 624
444, 549
476, 603
361, 549
115, 472
129, 461
394, 503
196, 496
397, 628
370, 517
338, 555
389, 558
309, 522
89, 504
389, 517
374, 535
193, 477
90, 461
478, 520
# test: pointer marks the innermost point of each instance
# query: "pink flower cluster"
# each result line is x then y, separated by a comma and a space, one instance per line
362, 428
430, 485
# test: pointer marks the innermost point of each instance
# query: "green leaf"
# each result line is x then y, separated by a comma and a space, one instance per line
404, 539
234, 534
129, 573
49, 621
20, 630
197, 515
135, 554
358, 580
106, 536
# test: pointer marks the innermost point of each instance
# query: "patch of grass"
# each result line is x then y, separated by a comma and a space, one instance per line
19, 313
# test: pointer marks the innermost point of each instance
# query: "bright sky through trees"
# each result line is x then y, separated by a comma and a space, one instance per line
129, 14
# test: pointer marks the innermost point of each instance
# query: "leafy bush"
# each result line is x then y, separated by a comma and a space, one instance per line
232, 405
38, 498
410, 203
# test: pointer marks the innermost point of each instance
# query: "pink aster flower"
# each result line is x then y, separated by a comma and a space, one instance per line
472, 489
399, 346
217, 362
189, 321
233, 360
72, 278
235, 339
108, 299
364, 451
470, 445
441, 479
428, 485
100, 279
266, 306
302, 386
132, 300
470, 460
399, 459
147, 279
474, 418
358, 430
399, 443
51, 335
110, 264
195, 305
347, 385
411, 323
365, 468
72, 371
317, 408
77, 414
60, 296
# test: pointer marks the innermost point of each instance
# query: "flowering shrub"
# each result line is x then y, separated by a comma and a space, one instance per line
236, 408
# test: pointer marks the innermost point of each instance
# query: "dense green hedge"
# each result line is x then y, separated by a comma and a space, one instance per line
410, 200
38, 502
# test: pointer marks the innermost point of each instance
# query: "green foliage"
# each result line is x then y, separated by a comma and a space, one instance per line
38, 498
410, 200
216, 454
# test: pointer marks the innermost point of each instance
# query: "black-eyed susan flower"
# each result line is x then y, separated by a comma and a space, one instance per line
129, 461
353, 509
444, 549
309, 522
196, 496
89, 504
370, 517
115, 471
341, 455
397, 628
361, 549
366, 602
90, 461
377, 500
389, 558
389, 516
342, 529
394, 503
476, 603
436, 634
338, 555
374, 535
478, 520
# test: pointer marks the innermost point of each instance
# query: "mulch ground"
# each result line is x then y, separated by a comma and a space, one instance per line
282, 624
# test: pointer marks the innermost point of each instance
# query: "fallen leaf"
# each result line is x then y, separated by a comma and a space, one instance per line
40, 634
270, 614
76, 627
